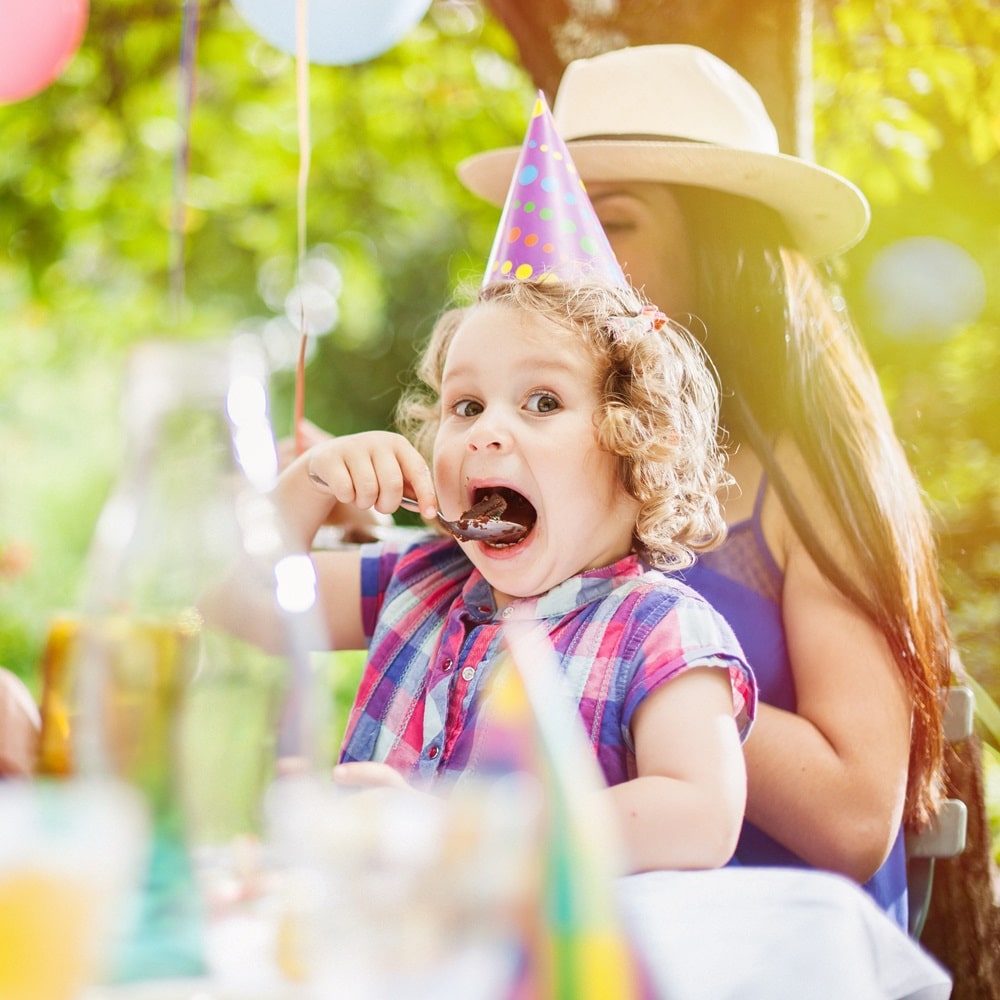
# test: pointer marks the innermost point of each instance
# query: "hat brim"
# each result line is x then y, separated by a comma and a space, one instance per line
825, 213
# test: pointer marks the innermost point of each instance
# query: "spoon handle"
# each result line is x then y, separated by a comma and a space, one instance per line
410, 504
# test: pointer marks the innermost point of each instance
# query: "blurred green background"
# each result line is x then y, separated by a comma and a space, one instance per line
907, 106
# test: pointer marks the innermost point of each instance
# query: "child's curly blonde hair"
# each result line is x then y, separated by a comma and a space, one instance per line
658, 411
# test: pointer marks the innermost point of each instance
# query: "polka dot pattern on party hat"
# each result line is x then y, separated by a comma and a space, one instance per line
549, 229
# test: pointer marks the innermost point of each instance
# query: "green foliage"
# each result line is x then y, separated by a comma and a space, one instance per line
907, 105
991, 793
88, 193
339, 674
987, 712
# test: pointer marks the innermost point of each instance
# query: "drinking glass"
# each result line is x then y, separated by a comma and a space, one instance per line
186, 669
70, 856
395, 894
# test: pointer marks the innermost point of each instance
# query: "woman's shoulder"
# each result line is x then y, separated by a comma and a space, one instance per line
814, 510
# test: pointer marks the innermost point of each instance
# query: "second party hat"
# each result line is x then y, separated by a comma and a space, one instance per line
549, 229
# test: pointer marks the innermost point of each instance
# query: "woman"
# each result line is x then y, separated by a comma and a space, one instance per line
828, 575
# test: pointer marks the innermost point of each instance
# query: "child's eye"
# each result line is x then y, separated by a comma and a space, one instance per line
467, 408
542, 402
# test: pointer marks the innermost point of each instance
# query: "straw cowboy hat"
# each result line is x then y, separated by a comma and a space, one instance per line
680, 115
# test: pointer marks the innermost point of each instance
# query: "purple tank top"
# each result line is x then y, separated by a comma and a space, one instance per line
744, 583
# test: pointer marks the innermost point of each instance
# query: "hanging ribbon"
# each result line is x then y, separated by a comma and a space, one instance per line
182, 157
302, 98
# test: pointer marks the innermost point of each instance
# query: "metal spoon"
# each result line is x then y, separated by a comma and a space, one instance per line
465, 529
476, 529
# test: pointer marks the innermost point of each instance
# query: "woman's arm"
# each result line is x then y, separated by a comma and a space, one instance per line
829, 781
685, 807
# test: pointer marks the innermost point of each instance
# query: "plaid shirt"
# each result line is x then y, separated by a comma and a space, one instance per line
435, 635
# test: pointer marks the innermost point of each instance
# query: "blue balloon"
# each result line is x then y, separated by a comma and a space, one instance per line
338, 32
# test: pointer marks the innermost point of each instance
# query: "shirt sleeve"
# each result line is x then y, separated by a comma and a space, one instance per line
690, 634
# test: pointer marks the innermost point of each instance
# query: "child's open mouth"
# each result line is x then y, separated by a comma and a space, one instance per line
500, 517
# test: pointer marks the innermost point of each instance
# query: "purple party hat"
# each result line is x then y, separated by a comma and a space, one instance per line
549, 230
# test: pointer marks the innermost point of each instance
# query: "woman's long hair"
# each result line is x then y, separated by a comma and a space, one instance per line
792, 365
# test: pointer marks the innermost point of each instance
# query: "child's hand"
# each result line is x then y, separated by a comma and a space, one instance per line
372, 469
368, 774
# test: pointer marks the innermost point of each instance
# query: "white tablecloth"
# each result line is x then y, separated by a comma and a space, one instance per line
731, 934
773, 934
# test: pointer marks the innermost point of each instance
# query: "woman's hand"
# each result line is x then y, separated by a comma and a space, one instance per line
20, 726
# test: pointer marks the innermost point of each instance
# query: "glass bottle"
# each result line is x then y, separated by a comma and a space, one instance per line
190, 654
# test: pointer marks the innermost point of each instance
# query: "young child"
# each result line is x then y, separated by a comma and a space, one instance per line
593, 418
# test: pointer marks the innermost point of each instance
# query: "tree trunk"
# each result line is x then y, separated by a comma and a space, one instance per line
963, 923
770, 43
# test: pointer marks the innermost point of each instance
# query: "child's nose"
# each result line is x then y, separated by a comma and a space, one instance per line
490, 431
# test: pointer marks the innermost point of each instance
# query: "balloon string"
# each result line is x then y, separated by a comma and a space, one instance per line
182, 158
302, 98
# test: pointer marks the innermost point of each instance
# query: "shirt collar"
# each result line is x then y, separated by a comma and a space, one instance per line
576, 592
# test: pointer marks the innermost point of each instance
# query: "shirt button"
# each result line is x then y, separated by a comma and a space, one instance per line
507, 612
468, 673
447, 664
433, 752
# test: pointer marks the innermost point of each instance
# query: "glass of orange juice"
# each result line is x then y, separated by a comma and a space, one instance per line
70, 852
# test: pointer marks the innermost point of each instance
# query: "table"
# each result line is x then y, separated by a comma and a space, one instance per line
730, 934
774, 933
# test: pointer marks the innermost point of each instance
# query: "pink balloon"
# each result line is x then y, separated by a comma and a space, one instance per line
37, 40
